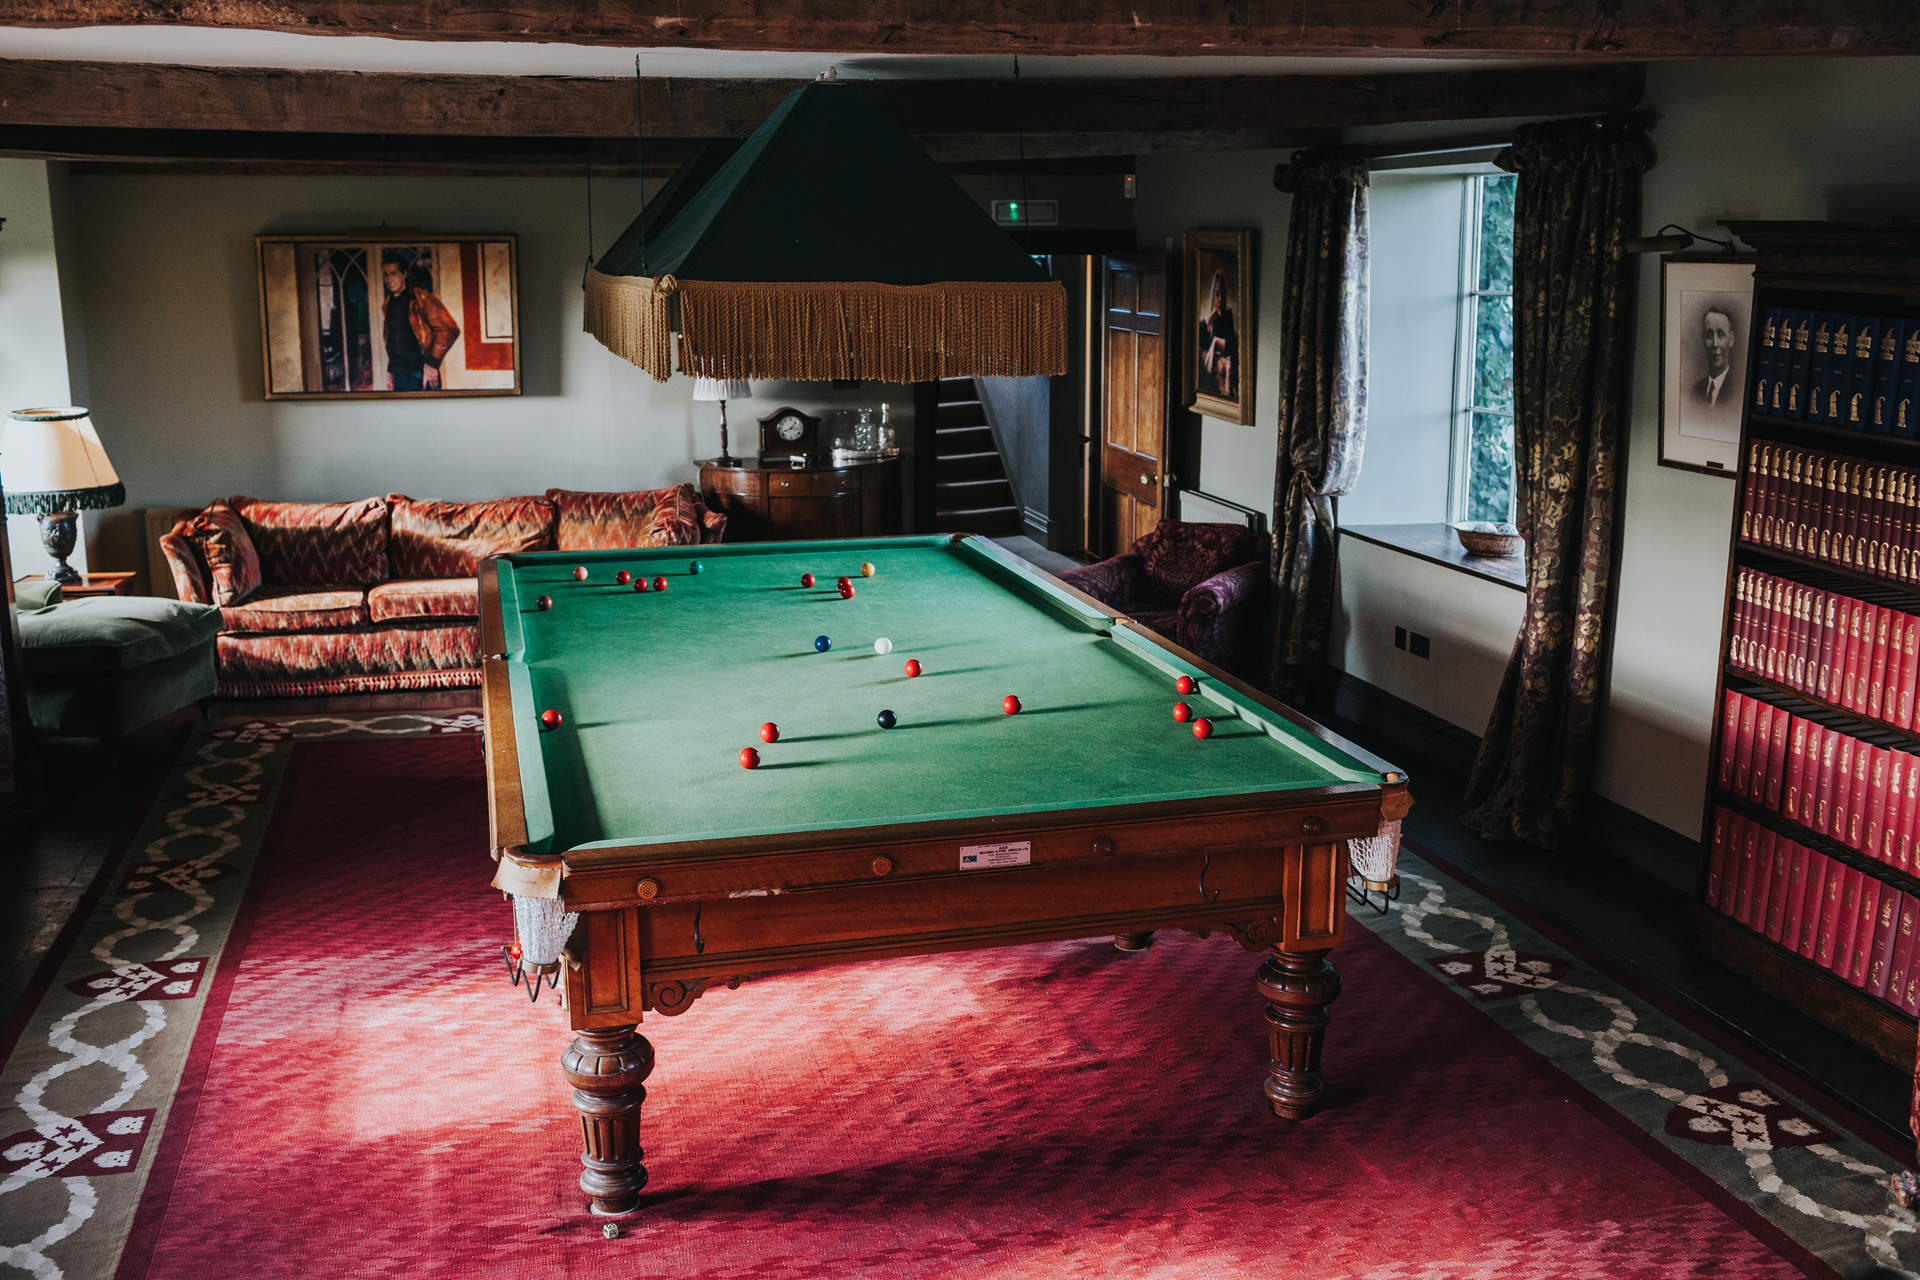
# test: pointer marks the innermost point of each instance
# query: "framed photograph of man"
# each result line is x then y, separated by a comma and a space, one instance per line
366, 317
1220, 339
1706, 341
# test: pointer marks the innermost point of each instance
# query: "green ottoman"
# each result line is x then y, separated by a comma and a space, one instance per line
101, 666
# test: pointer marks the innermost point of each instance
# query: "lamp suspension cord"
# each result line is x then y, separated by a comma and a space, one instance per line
589, 266
640, 155
1020, 128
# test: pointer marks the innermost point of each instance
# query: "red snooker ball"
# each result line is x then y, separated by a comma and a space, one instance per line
549, 719
1203, 728
769, 732
580, 573
749, 758
1010, 705
623, 577
1185, 685
806, 579
639, 584
1182, 712
846, 592
659, 584
913, 667
843, 582
544, 603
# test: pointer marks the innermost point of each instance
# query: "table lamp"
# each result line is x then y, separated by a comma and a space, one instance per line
723, 390
53, 466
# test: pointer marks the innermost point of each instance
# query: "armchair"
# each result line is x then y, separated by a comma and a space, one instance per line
1203, 586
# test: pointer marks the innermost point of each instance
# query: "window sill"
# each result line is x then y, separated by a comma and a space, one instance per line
1436, 544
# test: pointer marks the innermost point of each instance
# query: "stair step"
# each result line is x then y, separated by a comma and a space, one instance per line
949, 441
993, 522
957, 389
967, 466
992, 492
969, 413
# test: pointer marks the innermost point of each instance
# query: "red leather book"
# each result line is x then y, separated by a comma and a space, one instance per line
1763, 717
1763, 855
1750, 492
1820, 871
1829, 684
1886, 932
1873, 818
1839, 817
1827, 475
1799, 467
1910, 998
1857, 798
1793, 805
1888, 850
1829, 741
1881, 620
1850, 667
1749, 858
1776, 913
1781, 734
1803, 605
1909, 662
1906, 533
1737, 631
1873, 507
1899, 517
1769, 494
1773, 600
1837, 906
1743, 751
1796, 896
1836, 545
1846, 924
1866, 917
1717, 856
1897, 971
1729, 736
1904, 830
1855, 474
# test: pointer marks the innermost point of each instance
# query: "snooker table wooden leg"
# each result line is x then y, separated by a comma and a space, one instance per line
1298, 985
1133, 941
605, 1066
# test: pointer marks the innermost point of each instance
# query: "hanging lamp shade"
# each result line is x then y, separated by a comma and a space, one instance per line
826, 246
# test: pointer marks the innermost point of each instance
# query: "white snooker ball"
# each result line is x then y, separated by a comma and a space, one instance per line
883, 646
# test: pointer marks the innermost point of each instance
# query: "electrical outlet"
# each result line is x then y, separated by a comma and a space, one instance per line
1418, 645
1399, 637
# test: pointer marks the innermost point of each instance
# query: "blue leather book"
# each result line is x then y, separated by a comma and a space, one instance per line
1820, 365
1866, 351
1795, 384
1886, 373
1763, 362
1782, 363
1833, 395
1906, 414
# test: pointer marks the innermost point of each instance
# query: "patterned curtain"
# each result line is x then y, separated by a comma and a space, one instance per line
1323, 402
1577, 198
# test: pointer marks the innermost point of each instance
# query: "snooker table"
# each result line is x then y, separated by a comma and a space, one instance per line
1091, 812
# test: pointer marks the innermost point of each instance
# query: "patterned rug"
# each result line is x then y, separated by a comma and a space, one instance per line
282, 1046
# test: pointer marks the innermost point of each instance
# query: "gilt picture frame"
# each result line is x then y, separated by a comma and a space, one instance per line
1219, 342
392, 314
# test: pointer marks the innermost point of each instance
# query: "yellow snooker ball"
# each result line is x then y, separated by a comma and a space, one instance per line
866, 570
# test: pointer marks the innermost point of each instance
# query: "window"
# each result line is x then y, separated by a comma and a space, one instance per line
1482, 467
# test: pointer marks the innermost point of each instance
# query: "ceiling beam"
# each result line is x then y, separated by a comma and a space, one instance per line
146, 96
1623, 29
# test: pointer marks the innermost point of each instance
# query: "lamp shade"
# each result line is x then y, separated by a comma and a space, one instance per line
51, 460
720, 389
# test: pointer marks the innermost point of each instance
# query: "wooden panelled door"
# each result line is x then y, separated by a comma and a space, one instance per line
1133, 433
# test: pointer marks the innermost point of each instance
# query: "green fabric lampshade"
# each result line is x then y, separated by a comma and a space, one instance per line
51, 460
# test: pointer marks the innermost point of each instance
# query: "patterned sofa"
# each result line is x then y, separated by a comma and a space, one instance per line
355, 597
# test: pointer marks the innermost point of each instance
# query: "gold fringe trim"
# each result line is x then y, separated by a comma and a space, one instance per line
818, 331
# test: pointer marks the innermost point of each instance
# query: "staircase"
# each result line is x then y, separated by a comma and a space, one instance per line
971, 492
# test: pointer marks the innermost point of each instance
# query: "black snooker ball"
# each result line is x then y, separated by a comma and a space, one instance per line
886, 720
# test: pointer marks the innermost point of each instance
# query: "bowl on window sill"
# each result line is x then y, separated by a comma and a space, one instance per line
1489, 538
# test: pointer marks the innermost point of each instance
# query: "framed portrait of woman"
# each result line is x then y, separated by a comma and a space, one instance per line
1219, 320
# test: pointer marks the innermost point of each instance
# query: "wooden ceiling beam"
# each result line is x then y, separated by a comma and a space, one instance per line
1619, 29
105, 95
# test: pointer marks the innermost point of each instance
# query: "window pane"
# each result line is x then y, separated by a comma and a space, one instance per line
1496, 232
1493, 354
1490, 482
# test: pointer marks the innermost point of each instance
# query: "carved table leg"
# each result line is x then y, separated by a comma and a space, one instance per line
1133, 941
605, 1066
1298, 986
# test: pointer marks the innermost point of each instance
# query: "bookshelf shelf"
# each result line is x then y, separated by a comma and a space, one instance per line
1909, 593
1871, 445
1840, 853
1867, 727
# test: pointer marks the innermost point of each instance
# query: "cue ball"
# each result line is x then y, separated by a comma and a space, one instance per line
749, 758
886, 720
544, 603
883, 646
1010, 705
1203, 728
623, 577
696, 567
1182, 712
769, 732
866, 570
821, 644
913, 667
659, 584
806, 579
580, 573
549, 719
1185, 685
846, 592
639, 584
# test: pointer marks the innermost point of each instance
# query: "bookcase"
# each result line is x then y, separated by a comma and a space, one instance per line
1810, 870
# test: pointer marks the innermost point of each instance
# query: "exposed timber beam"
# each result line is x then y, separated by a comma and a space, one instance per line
109, 95
1626, 29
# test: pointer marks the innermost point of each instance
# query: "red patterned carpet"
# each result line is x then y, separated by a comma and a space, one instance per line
367, 1097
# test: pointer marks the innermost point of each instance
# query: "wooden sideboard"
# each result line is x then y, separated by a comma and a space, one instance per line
774, 501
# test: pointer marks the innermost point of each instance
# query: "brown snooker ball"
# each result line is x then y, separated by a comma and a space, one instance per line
580, 573
544, 603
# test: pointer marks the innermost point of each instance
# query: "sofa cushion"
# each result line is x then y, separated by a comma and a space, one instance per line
1180, 555
395, 649
303, 543
220, 539
424, 598
103, 634
35, 593
450, 539
640, 518
297, 609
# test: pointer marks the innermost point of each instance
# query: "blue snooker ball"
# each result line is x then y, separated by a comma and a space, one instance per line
886, 719
821, 644
696, 567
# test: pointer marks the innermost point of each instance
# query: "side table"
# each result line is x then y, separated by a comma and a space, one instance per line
93, 584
